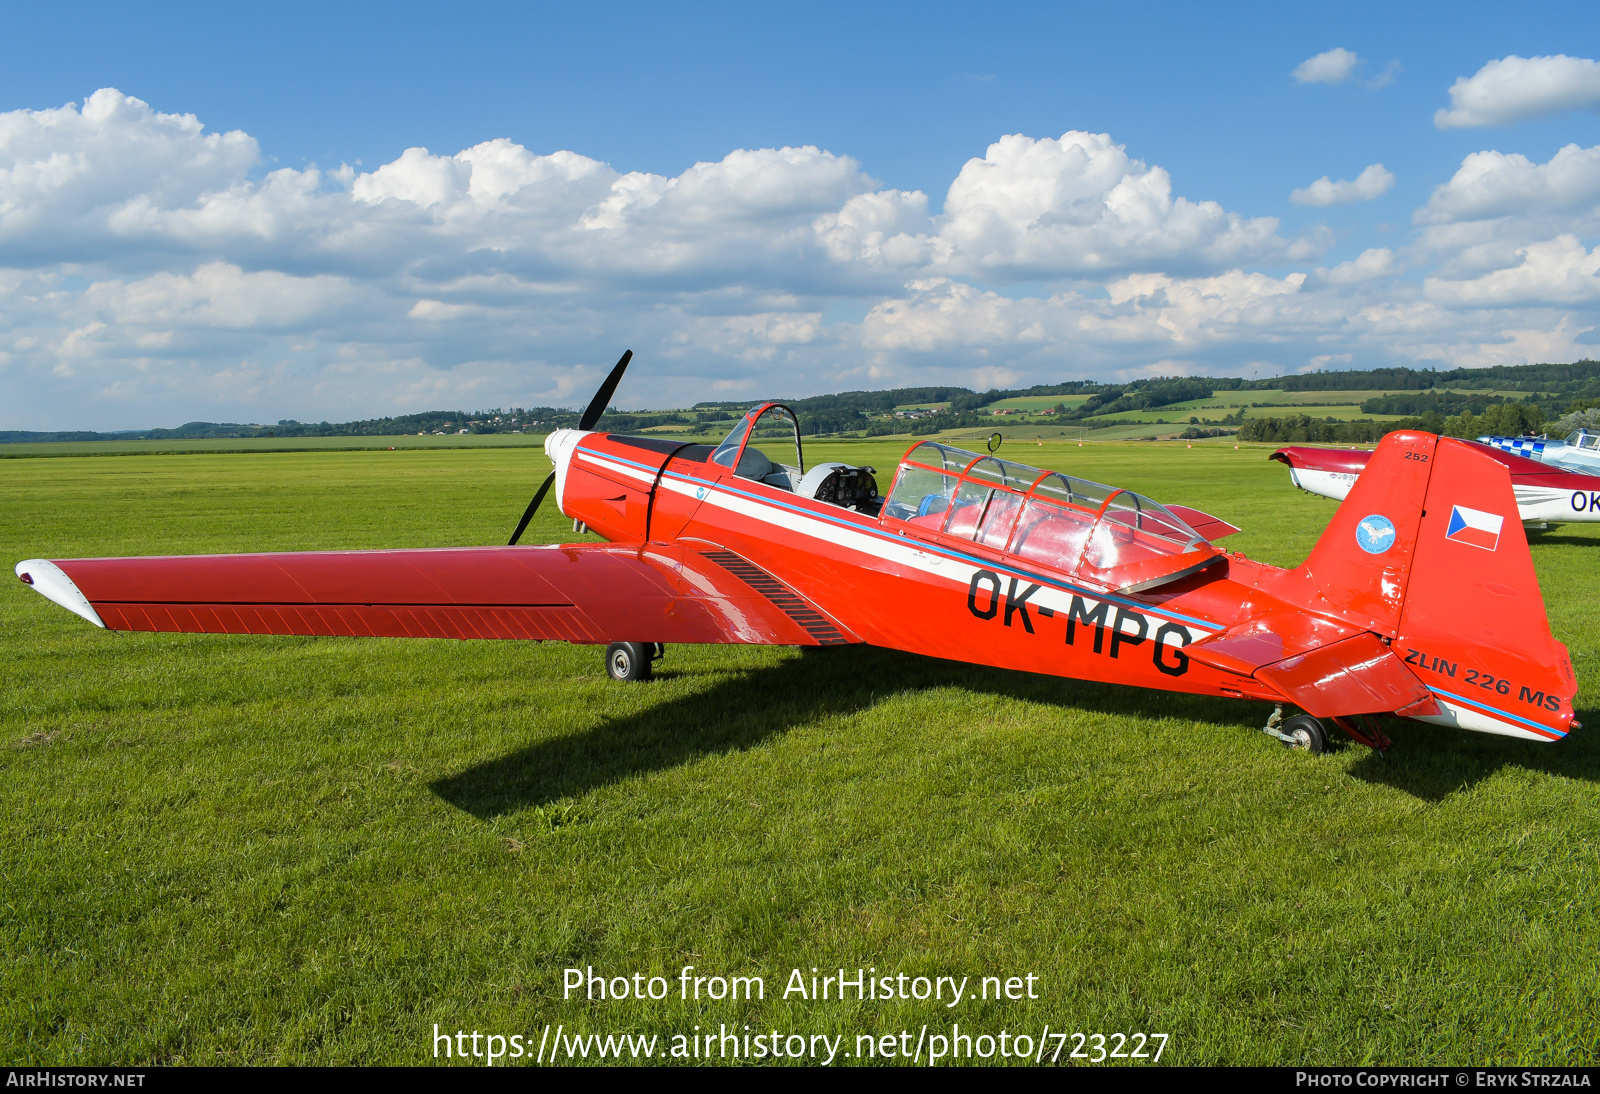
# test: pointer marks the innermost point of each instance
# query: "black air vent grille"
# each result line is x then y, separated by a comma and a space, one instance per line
784, 598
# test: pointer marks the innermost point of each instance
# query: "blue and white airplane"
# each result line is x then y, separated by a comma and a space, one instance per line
1579, 452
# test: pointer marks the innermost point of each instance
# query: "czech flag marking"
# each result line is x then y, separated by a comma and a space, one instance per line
1475, 527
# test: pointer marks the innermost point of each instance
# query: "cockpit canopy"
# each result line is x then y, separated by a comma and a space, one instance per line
1584, 439
1112, 537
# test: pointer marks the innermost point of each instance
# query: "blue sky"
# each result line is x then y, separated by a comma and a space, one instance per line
129, 297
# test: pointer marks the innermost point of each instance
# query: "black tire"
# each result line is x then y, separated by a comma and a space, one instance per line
629, 660
1306, 732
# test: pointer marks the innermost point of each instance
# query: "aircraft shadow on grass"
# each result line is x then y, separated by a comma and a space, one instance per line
1427, 762
1572, 539
742, 712
1434, 762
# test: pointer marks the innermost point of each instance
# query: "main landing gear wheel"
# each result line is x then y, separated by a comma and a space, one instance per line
1304, 733
631, 660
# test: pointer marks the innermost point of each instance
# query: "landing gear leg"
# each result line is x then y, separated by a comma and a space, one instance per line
1272, 728
1365, 728
632, 660
1301, 732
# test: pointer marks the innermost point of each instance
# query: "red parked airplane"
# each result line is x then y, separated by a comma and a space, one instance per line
1417, 601
1546, 493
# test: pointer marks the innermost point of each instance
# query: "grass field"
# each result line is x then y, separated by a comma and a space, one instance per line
224, 849
1031, 402
1341, 406
203, 445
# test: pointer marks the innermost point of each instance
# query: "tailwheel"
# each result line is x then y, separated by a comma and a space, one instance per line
632, 660
1304, 733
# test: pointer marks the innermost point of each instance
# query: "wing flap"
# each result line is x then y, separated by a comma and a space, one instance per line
583, 593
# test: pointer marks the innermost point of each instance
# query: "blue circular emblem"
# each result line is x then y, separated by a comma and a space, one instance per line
1375, 534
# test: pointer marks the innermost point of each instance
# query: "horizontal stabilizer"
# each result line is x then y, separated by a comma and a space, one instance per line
1267, 640
1213, 528
1325, 668
1359, 675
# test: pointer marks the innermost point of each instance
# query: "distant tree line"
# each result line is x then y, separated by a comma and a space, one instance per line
1424, 395
1569, 379
1503, 419
497, 420
1304, 429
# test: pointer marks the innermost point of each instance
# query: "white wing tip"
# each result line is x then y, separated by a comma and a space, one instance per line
49, 581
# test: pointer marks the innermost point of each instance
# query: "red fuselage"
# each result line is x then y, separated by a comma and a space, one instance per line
900, 585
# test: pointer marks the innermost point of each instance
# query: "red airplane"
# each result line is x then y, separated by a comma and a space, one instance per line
1412, 603
1546, 493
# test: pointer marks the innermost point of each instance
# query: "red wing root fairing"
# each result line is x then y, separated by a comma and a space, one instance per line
1419, 600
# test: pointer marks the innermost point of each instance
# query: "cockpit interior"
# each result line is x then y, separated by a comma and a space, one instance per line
773, 423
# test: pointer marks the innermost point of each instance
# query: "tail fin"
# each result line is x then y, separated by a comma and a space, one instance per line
1428, 551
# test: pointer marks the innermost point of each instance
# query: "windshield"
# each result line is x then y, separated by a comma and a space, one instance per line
1048, 517
1584, 439
728, 450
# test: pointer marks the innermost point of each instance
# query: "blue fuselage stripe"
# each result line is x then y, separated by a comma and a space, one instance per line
1496, 711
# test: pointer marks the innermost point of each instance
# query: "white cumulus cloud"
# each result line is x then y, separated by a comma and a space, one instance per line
1369, 265
1495, 184
1332, 67
1556, 271
152, 272
1080, 205
1373, 181
1514, 88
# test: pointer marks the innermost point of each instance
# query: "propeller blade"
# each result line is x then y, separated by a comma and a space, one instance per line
602, 398
533, 507
597, 407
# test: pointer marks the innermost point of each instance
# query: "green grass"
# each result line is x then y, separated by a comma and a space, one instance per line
1173, 418
177, 446
1180, 415
1312, 401
1033, 402
224, 849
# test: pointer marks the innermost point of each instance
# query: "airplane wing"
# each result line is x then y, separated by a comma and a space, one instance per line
583, 593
